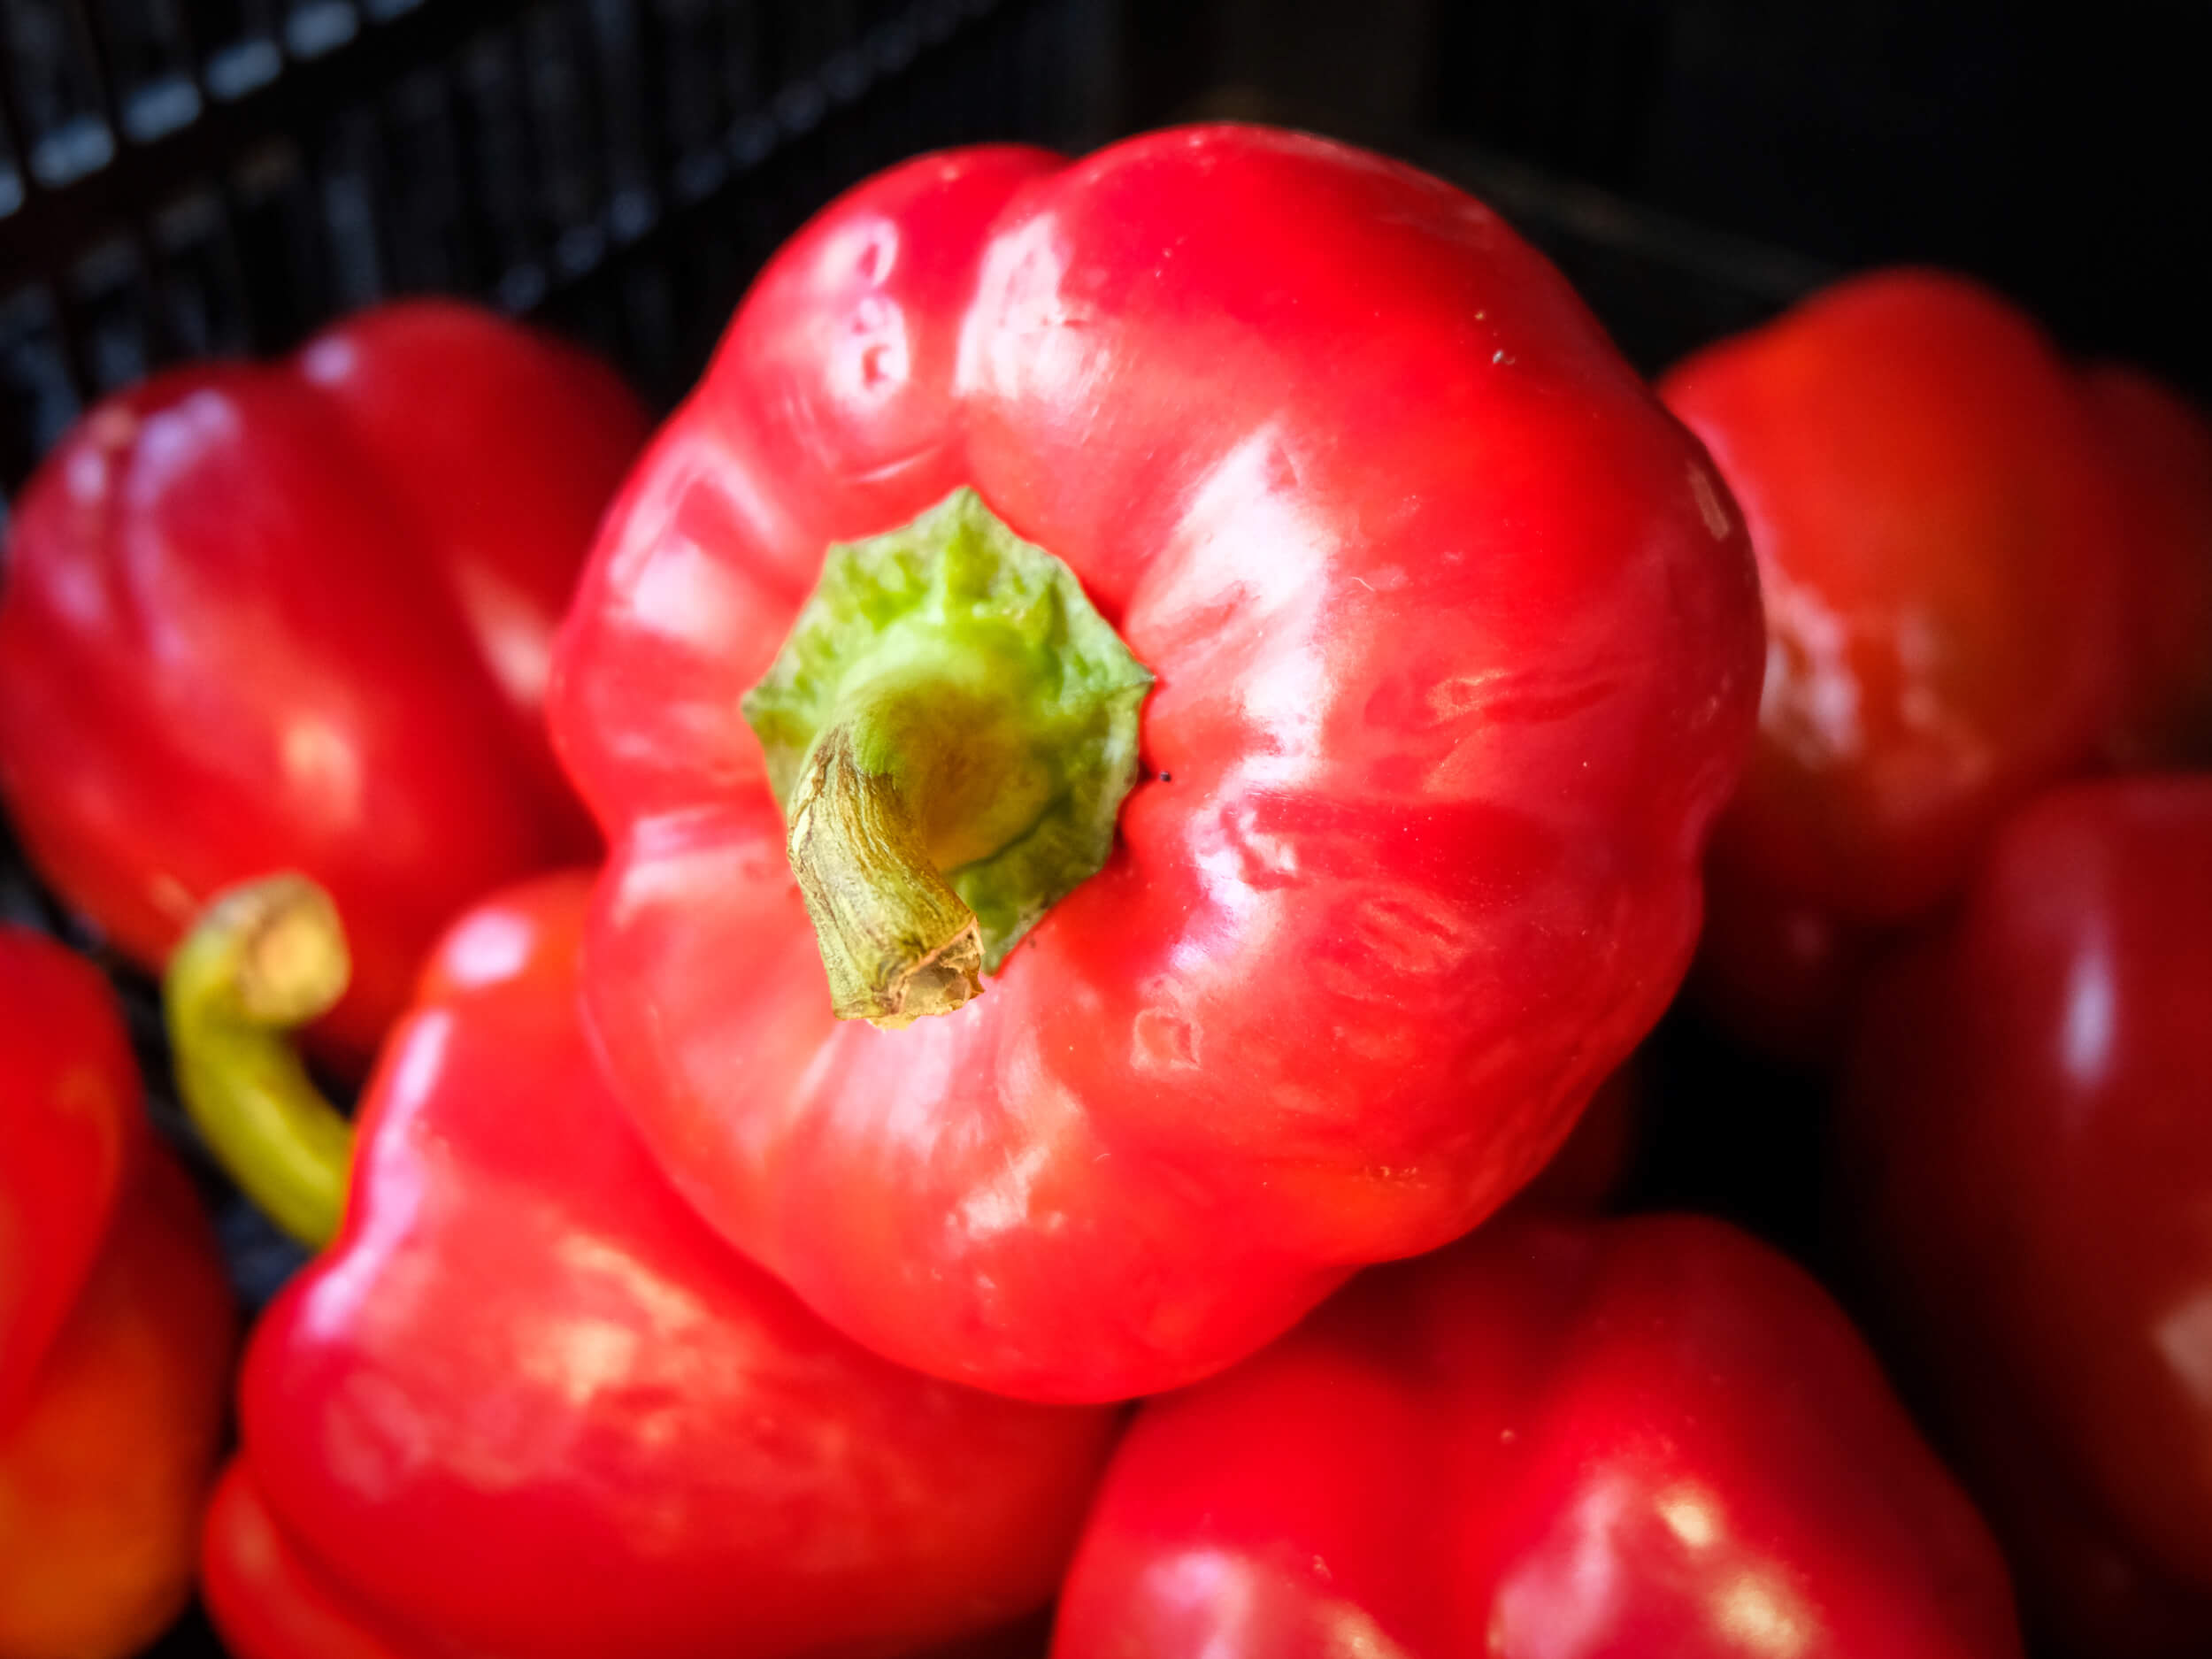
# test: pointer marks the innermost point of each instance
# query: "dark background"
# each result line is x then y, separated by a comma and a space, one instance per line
181, 176
2064, 153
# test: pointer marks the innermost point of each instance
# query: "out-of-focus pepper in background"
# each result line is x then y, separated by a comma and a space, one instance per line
2025, 1178
299, 616
1942, 560
117, 1329
2159, 445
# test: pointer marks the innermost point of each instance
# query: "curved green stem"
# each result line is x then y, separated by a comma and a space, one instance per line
264, 958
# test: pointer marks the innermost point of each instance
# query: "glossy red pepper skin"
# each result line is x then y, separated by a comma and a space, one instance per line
271, 1601
1456, 645
274, 1603
1941, 547
1555, 1440
298, 616
116, 1328
2028, 1172
528, 1405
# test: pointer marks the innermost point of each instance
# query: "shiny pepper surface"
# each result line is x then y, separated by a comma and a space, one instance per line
528, 1406
1942, 552
1556, 1441
298, 616
116, 1328
1946, 560
2028, 1174
1452, 637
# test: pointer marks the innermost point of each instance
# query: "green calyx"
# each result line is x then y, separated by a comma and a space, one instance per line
950, 730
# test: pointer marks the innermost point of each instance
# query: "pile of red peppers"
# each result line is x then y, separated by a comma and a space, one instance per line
1147, 745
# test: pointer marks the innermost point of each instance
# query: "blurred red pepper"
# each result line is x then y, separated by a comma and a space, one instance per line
271, 1603
528, 1405
116, 1328
299, 616
1456, 643
1942, 555
2027, 1170
2161, 447
1557, 1441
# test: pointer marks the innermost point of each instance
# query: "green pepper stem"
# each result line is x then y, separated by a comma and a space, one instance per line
264, 958
896, 941
950, 729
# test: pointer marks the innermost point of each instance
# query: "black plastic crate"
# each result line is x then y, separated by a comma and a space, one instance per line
186, 177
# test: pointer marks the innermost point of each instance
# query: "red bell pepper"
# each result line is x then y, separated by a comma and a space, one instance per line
1942, 550
272, 1604
299, 616
1557, 1441
1307, 956
116, 1328
2028, 1171
2161, 447
528, 1405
